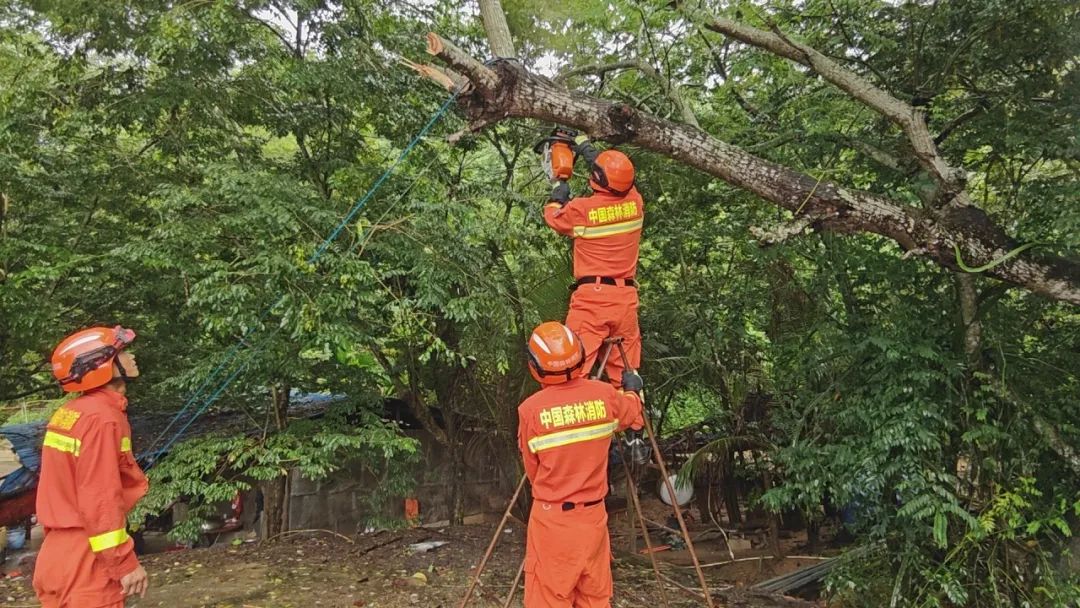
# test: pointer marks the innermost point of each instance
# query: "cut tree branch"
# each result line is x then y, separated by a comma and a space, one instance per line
477, 73
506, 90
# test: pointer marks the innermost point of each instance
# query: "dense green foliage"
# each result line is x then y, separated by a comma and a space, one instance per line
208, 471
173, 166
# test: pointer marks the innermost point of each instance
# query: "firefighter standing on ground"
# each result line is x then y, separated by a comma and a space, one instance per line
89, 478
606, 228
564, 434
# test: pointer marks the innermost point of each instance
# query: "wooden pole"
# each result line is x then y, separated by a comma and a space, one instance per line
630, 490
491, 545
513, 588
659, 457
631, 487
641, 520
678, 512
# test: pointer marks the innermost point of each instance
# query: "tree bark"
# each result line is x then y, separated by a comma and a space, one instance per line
498, 32
773, 517
506, 90
456, 454
276, 491
969, 319
730, 490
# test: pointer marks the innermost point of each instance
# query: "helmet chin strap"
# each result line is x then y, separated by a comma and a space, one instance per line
120, 368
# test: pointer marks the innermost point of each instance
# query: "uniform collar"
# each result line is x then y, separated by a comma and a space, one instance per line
612, 195
111, 397
568, 384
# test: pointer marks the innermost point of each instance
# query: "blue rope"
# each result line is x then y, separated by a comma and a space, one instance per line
382, 178
207, 403
229, 356
323, 247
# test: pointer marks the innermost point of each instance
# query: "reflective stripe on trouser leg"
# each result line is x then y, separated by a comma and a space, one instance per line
68, 573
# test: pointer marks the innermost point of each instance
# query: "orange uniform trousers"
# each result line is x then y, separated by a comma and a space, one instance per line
67, 575
599, 311
567, 557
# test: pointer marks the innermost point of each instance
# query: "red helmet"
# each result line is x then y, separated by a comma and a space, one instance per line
555, 353
84, 359
612, 172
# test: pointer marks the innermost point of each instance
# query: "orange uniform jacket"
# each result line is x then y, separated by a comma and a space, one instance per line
606, 229
89, 478
564, 433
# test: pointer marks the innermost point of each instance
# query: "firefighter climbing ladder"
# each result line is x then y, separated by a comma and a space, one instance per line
658, 459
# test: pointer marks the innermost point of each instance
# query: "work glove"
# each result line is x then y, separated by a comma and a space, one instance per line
631, 381
584, 149
561, 193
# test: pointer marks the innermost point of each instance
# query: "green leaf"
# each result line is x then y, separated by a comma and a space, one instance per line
941, 528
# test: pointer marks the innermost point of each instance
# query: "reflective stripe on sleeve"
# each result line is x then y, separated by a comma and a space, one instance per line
599, 232
125, 444
63, 443
108, 540
585, 433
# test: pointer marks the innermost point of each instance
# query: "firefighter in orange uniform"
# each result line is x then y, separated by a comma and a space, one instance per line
89, 478
606, 228
564, 433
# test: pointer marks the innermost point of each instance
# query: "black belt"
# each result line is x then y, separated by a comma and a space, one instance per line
603, 280
569, 506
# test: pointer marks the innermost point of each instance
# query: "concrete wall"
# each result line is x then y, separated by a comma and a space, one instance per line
340, 502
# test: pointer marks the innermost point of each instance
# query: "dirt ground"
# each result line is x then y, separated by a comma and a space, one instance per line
316, 568
376, 570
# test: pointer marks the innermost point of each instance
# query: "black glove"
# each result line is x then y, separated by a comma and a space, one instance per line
561, 193
584, 149
631, 381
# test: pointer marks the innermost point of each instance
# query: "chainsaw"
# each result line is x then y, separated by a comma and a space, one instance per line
557, 154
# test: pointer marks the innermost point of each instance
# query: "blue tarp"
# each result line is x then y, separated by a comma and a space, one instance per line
26, 442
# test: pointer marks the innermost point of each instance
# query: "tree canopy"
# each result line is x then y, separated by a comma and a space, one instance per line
859, 253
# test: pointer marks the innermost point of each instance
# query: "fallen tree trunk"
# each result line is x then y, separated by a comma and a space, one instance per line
504, 89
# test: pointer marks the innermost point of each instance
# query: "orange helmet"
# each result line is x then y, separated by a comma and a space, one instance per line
555, 353
84, 359
613, 172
